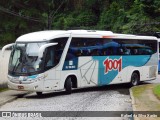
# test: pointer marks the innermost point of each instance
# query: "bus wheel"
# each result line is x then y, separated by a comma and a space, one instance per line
68, 85
134, 79
39, 93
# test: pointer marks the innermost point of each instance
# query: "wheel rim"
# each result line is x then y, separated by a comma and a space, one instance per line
135, 80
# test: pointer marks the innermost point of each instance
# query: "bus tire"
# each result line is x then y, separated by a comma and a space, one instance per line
134, 79
68, 85
39, 93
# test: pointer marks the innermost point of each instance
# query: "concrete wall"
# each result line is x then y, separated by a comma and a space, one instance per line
4, 67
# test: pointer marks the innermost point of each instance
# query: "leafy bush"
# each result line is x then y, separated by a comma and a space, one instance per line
6, 38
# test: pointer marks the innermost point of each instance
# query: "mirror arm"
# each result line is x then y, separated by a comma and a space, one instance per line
43, 47
5, 47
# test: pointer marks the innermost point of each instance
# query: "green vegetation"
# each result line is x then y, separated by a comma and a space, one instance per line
18, 17
143, 97
138, 90
3, 89
156, 91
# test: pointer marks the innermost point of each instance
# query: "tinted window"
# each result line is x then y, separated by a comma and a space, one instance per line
54, 53
105, 47
85, 47
137, 47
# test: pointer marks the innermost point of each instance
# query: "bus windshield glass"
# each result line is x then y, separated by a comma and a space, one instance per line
24, 59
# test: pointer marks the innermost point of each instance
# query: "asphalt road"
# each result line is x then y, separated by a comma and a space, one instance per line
106, 98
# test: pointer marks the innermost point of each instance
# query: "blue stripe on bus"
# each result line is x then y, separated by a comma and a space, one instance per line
106, 78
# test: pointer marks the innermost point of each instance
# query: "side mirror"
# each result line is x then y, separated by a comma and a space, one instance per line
5, 47
43, 47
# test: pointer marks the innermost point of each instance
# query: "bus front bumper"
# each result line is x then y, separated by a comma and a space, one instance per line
35, 86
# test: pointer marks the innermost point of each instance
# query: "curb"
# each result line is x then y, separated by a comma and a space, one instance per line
8, 100
133, 103
10, 97
133, 100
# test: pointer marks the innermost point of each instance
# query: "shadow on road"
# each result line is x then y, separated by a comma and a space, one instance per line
121, 88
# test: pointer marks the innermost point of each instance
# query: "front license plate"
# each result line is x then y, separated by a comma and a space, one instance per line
21, 87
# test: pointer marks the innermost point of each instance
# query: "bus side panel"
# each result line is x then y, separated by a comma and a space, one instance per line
149, 73
88, 71
122, 77
118, 69
104, 70
50, 82
150, 70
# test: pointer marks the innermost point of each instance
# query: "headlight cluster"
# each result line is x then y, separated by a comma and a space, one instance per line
25, 79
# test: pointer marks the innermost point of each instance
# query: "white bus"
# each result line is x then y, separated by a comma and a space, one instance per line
61, 60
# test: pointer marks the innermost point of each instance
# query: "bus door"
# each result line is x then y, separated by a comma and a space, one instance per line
49, 64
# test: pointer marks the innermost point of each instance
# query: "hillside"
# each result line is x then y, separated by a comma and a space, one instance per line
18, 17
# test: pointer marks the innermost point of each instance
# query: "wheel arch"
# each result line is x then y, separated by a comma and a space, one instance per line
135, 78
73, 80
137, 71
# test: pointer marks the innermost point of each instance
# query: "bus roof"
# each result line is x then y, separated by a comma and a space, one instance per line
43, 36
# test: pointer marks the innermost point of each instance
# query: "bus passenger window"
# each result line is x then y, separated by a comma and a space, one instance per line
88, 52
135, 52
70, 56
96, 52
106, 52
79, 53
127, 51
120, 51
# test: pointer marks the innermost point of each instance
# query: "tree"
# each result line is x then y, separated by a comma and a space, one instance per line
138, 20
18, 17
112, 18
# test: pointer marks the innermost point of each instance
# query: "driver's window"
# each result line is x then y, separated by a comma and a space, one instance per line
49, 59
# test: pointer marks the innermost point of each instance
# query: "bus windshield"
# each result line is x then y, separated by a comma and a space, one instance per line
24, 59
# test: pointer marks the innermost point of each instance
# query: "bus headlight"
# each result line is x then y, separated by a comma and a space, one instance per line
39, 77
